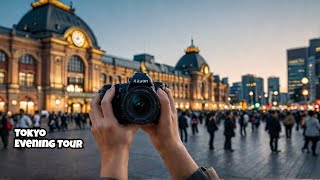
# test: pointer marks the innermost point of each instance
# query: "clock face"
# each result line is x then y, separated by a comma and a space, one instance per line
78, 38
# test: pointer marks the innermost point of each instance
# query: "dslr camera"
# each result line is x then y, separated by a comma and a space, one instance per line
136, 102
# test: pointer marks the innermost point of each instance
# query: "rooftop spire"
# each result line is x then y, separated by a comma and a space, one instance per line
192, 48
54, 2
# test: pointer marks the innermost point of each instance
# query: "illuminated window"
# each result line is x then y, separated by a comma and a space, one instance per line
1, 78
2, 57
26, 59
75, 64
26, 79
75, 84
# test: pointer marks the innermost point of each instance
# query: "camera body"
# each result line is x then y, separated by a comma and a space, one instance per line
136, 102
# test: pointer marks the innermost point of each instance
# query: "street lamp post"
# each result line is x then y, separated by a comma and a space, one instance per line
276, 96
305, 91
251, 94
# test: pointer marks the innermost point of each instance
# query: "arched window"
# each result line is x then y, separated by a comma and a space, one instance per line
75, 74
118, 80
75, 64
3, 57
27, 70
103, 79
110, 80
27, 59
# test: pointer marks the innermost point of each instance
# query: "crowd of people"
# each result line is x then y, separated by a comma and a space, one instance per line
307, 121
54, 121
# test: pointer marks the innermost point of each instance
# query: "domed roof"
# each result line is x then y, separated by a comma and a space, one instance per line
192, 60
49, 17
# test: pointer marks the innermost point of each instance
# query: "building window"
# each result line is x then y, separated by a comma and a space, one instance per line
26, 79
103, 78
2, 57
26, 59
1, 77
75, 84
75, 64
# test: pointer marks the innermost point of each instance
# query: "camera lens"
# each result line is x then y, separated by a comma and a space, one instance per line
141, 105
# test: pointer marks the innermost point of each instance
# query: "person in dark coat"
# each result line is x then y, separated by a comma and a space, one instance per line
194, 124
4, 131
183, 125
229, 126
211, 127
274, 128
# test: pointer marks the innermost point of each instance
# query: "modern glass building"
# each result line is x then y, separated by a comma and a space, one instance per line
296, 63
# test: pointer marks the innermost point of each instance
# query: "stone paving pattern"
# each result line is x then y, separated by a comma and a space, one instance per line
252, 158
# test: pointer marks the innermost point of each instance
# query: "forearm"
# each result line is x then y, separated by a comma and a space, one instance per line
178, 161
115, 164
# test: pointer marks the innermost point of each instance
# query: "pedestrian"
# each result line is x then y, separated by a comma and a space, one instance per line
312, 132
194, 124
63, 119
211, 127
6, 125
183, 125
78, 120
274, 128
288, 123
298, 119
229, 133
23, 120
36, 120
244, 119
52, 122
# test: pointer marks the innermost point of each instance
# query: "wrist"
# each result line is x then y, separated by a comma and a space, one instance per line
114, 163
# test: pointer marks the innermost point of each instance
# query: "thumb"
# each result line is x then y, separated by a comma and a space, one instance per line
106, 104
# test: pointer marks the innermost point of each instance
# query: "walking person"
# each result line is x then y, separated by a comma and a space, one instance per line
229, 127
23, 120
244, 119
194, 124
6, 125
211, 127
288, 123
63, 119
183, 125
312, 132
36, 120
78, 120
52, 122
274, 128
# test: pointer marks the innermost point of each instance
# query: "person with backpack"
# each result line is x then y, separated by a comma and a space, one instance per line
211, 127
288, 123
244, 119
6, 125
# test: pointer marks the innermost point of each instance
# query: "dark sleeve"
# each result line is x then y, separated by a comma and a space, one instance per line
204, 174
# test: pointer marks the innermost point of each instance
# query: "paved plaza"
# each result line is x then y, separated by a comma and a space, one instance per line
252, 158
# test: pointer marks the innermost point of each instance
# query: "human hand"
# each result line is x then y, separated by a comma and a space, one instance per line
165, 138
165, 134
113, 140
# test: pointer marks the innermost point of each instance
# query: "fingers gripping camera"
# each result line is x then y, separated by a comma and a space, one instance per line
136, 102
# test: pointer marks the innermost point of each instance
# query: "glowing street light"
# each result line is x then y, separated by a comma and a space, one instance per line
251, 93
305, 80
276, 93
305, 92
